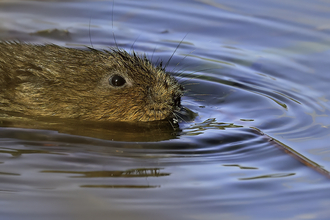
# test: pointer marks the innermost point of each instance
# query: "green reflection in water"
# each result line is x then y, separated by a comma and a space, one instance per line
119, 186
211, 123
140, 172
18, 153
10, 174
276, 175
241, 167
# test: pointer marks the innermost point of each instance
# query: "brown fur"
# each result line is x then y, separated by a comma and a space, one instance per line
49, 80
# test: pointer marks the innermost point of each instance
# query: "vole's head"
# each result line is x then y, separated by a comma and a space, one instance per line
48, 80
135, 90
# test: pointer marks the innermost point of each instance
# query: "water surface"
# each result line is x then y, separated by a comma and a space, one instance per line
256, 75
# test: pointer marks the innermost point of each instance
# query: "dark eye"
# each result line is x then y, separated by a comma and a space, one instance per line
117, 80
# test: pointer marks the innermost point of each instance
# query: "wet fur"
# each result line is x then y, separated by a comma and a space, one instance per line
49, 80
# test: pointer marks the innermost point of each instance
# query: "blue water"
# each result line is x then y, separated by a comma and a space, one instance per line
256, 75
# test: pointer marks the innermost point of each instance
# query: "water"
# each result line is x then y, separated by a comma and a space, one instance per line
256, 73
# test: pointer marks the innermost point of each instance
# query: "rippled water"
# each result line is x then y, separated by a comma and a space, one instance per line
256, 75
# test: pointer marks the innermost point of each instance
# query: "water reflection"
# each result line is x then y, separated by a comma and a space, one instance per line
116, 131
131, 173
139, 172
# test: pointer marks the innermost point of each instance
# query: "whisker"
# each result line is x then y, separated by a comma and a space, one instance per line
171, 124
177, 115
113, 33
175, 51
197, 76
152, 56
134, 43
181, 61
89, 32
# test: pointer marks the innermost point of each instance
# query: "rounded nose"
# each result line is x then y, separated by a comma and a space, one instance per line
177, 100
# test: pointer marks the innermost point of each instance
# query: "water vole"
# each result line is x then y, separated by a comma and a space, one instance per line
49, 80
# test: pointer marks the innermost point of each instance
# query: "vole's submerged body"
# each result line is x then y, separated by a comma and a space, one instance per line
49, 80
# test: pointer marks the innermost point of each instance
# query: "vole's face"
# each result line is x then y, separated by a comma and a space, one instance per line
138, 91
